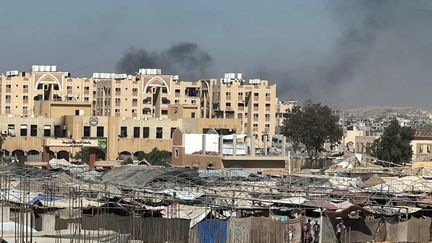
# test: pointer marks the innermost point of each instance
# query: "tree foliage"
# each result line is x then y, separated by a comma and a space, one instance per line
157, 155
394, 145
84, 155
313, 125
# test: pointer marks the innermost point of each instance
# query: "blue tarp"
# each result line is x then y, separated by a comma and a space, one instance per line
44, 198
213, 231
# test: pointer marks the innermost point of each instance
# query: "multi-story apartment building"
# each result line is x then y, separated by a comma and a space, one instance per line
253, 102
20, 90
147, 94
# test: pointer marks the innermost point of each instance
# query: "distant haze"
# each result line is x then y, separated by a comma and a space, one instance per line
342, 53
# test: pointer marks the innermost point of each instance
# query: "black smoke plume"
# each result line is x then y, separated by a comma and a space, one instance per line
186, 59
381, 47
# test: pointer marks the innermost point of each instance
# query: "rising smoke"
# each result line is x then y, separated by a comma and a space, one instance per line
186, 59
381, 48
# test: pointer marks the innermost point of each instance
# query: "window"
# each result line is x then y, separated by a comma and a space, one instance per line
8, 86
176, 101
100, 132
86, 88
146, 132
172, 131
228, 104
159, 132
25, 97
33, 130
25, 86
177, 91
47, 131
56, 87
58, 131
228, 93
69, 88
23, 130
255, 125
123, 132
267, 125
136, 132
193, 101
268, 94
256, 94
193, 115
77, 112
240, 93
86, 131
164, 112
86, 99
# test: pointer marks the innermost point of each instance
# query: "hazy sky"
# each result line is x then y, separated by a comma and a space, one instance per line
342, 53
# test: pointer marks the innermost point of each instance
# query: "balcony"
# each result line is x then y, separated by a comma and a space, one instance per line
134, 93
117, 114
268, 98
25, 101
8, 90
86, 92
8, 100
25, 90
134, 103
117, 93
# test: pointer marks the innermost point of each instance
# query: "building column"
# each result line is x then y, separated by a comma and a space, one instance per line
234, 144
92, 157
265, 144
252, 145
221, 145
283, 146
45, 156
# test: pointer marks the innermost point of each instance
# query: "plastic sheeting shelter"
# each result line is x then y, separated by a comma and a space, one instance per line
137, 176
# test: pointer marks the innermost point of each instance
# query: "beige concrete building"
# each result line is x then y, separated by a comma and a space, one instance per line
122, 136
149, 93
20, 90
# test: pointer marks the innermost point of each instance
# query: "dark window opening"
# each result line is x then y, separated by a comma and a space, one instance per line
159, 132
86, 131
146, 132
33, 130
100, 132
136, 132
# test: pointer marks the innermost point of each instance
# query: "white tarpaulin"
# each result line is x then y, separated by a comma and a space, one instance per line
194, 213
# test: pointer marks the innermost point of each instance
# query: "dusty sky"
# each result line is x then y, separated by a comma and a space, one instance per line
342, 53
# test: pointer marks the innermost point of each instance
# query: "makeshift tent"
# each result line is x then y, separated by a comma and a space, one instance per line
372, 181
